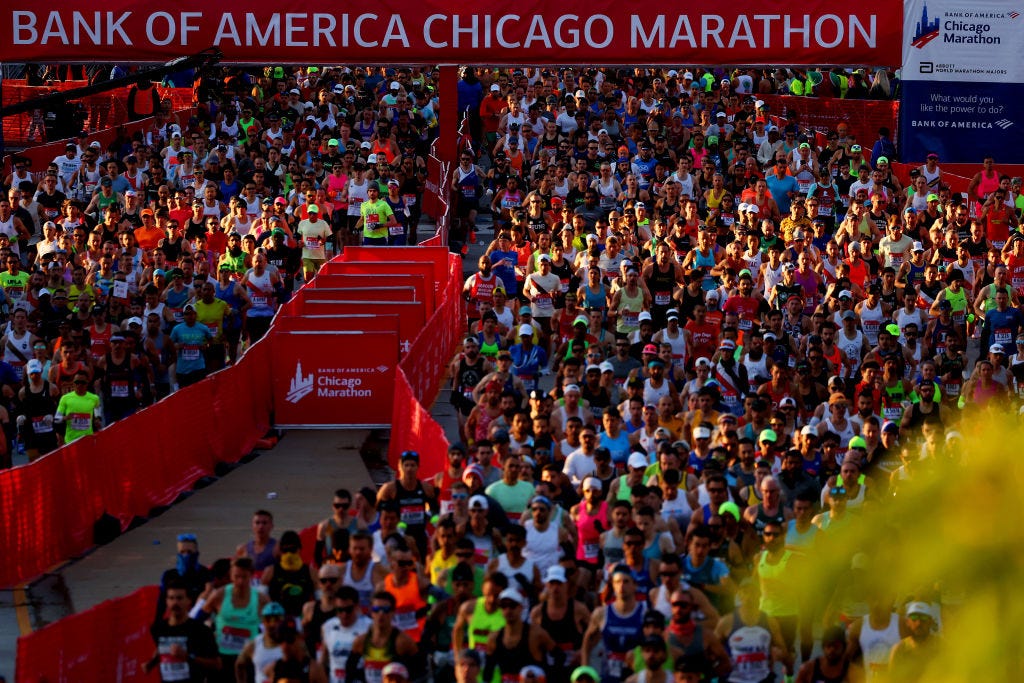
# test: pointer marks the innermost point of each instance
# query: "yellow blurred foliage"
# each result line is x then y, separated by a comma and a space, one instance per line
953, 535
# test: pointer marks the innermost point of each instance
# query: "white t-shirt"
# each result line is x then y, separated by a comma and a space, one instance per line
578, 466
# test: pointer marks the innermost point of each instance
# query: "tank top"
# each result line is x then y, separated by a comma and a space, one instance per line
483, 547
542, 546
763, 519
509, 660
409, 603
264, 558
363, 586
613, 543
235, 626
705, 262
629, 312
564, 630
262, 657
777, 597
261, 293
481, 625
749, 648
376, 658
876, 644
412, 506
589, 546
337, 641
871, 322
620, 634
119, 380
38, 406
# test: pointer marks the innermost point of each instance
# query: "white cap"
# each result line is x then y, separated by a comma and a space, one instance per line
593, 366
606, 366
703, 362
592, 483
603, 131
637, 461
712, 294
495, 87
395, 669
644, 315
672, 73
372, 159
688, 75
917, 247
580, 93
365, 144
808, 430
395, 85
479, 501
555, 574
742, 207
525, 329
34, 366
573, 388
846, 293
701, 433
512, 594
922, 608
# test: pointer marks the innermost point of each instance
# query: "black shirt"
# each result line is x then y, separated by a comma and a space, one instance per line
197, 640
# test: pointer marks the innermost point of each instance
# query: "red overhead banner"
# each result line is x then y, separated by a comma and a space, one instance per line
330, 380
571, 32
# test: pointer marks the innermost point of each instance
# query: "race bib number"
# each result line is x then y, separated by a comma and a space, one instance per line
410, 200
545, 306
631, 319
893, 413
80, 422
259, 300
1002, 336
190, 352
372, 220
179, 316
662, 298
590, 550
42, 424
405, 621
15, 293
616, 664
412, 514
173, 668
745, 325
119, 389
232, 639
396, 230
312, 243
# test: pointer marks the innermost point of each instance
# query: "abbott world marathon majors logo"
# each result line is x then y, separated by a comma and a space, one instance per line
330, 383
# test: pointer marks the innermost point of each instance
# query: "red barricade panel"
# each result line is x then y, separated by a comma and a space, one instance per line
435, 255
106, 643
334, 379
349, 322
397, 269
423, 292
356, 293
411, 315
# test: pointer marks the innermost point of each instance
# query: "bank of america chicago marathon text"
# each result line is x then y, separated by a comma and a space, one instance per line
509, 31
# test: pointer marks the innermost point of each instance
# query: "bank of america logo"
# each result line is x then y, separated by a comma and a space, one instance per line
1004, 123
300, 386
926, 32
1013, 15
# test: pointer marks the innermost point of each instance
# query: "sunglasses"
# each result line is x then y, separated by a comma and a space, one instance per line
405, 563
381, 609
770, 534
349, 609
329, 580
682, 605
341, 506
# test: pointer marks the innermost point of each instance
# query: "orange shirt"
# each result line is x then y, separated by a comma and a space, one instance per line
148, 238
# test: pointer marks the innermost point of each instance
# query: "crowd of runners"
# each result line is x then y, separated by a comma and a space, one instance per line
138, 267
700, 346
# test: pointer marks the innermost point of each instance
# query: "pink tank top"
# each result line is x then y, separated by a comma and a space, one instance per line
588, 532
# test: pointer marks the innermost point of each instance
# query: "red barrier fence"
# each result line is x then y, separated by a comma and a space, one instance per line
419, 378
106, 643
48, 508
104, 110
864, 117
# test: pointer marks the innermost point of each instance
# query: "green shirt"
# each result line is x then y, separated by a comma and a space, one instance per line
514, 498
375, 218
78, 413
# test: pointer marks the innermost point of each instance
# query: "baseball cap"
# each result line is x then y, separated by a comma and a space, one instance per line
134, 321
592, 483
651, 348
555, 574
312, 208
478, 501
637, 461
918, 246
495, 87
585, 671
395, 669
768, 435
920, 609
272, 609
34, 366
526, 329
513, 595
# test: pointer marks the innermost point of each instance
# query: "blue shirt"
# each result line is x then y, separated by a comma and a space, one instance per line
779, 188
526, 365
192, 338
